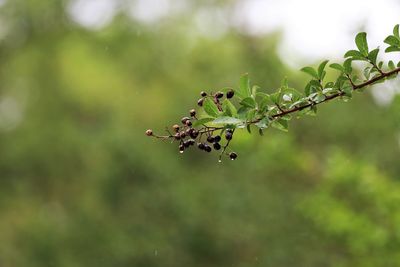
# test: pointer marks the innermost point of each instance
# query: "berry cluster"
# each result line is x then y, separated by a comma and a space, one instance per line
204, 137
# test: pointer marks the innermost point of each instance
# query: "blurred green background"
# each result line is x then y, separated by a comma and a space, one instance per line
81, 185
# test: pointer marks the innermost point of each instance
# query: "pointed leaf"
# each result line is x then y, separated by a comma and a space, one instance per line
244, 86
337, 66
210, 108
311, 71
248, 102
361, 42
321, 69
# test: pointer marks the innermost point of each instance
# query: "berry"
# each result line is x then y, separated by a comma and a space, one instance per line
232, 155
184, 120
230, 93
183, 134
194, 133
200, 102
203, 94
228, 136
229, 131
177, 136
207, 148
188, 131
217, 138
188, 123
201, 146
210, 139
217, 146
192, 113
175, 127
219, 95
186, 143
181, 148
191, 142
149, 132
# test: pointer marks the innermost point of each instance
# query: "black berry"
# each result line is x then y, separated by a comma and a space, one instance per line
228, 136
184, 120
203, 94
207, 148
201, 146
181, 148
177, 136
194, 133
219, 95
210, 139
191, 142
182, 134
232, 155
217, 146
149, 132
200, 102
192, 112
186, 143
230, 93
217, 138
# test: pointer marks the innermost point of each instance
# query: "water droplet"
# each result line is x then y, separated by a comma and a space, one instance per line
219, 161
232, 159
181, 152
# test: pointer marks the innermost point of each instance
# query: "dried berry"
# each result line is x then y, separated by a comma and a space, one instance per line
203, 94
175, 127
230, 93
149, 132
192, 113
188, 123
184, 119
232, 155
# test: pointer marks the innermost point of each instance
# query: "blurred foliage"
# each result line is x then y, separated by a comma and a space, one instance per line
82, 186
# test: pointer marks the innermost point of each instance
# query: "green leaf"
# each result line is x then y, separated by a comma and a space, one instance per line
244, 86
347, 66
251, 114
262, 124
361, 42
210, 108
392, 40
396, 31
392, 49
391, 65
337, 66
373, 55
263, 103
229, 108
248, 102
280, 125
321, 69
227, 120
311, 71
254, 90
202, 121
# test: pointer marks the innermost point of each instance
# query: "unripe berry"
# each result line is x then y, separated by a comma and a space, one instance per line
149, 132
217, 146
219, 95
232, 155
201, 146
200, 102
203, 94
175, 127
210, 139
230, 93
192, 112
217, 138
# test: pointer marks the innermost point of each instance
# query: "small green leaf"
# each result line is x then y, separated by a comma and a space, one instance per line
251, 114
210, 108
262, 124
254, 91
244, 86
229, 108
263, 103
227, 120
396, 31
280, 124
391, 65
248, 102
321, 69
392, 40
347, 66
337, 66
361, 42
311, 71
202, 121
392, 49
373, 55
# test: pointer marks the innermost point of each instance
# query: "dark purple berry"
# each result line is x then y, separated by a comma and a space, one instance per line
201, 146
203, 94
192, 113
230, 93
228, 136
149, 132
200, 102
177, 136
184, 120
182, 134
210, 139
217, 146
181, 148
188, 123
219, 95
191, 142
232, 155
194, 133
207, 148
217, 138
186, 143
